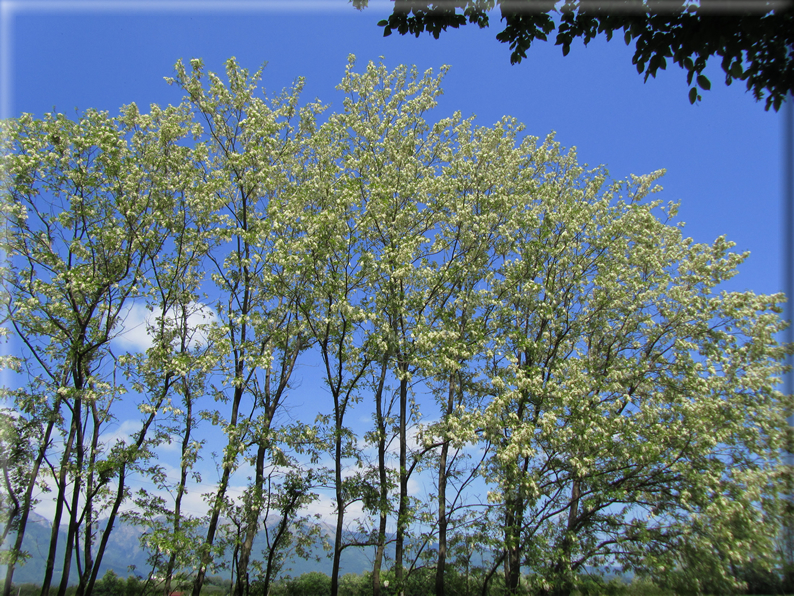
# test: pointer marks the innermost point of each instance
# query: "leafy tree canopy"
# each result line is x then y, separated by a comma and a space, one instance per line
753, 39
592, 395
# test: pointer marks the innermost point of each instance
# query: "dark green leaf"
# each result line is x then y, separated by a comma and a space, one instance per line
653, 65
693, 95
754, 48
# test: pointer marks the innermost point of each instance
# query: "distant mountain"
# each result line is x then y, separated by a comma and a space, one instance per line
124, 551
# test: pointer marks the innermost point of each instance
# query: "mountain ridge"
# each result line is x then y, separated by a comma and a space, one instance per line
126, 556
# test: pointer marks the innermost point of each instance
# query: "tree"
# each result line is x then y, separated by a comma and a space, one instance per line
617, 406
110, 585
331, 241
753, 40
616, 359
260, 334
175, 366
394, 147
85, 209
16, 456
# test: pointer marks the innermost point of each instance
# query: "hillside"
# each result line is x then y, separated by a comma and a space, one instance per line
125, 554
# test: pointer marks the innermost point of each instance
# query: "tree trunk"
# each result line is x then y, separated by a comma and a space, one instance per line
91, 488
402, 510
442, 498
486, 580
513, 524
340, 495
89, 588
120, 490
383, 489
56, 522
26, 500
272, 400
562, 571
251, 524
71, 536
213, 526
180, 491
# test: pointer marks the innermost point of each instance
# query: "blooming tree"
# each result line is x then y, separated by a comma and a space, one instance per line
580, 389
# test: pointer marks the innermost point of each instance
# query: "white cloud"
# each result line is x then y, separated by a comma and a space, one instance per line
412, 439
122, 432
325, 506
137, 321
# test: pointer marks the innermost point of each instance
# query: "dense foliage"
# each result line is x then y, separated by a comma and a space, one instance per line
537, 345
420, 583
753, 39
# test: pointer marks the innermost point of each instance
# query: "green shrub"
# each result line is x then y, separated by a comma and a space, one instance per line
641, 586
110, 585
313, 583
594, 585
760, 580
25, 590
352, 584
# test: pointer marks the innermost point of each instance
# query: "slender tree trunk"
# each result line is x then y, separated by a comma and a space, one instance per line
379, 552
235, 564
272, 401
402, 509
180, 491
442, 498
89, 588
27, 498
513, 524
76, 489
90, 490
487, 579
286, 516
251, 523
514, 519
120, 490
563, 580
92, 485
340, 494
213, 525
56, 522
239, 351
383, 489
442, 519
186, 459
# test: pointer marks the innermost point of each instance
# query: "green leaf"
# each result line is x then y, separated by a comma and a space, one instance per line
653, 65
566, 47
736, 70
703, 82
627, 37
693, 95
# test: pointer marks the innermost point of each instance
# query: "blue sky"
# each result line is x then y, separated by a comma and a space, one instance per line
723, 157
